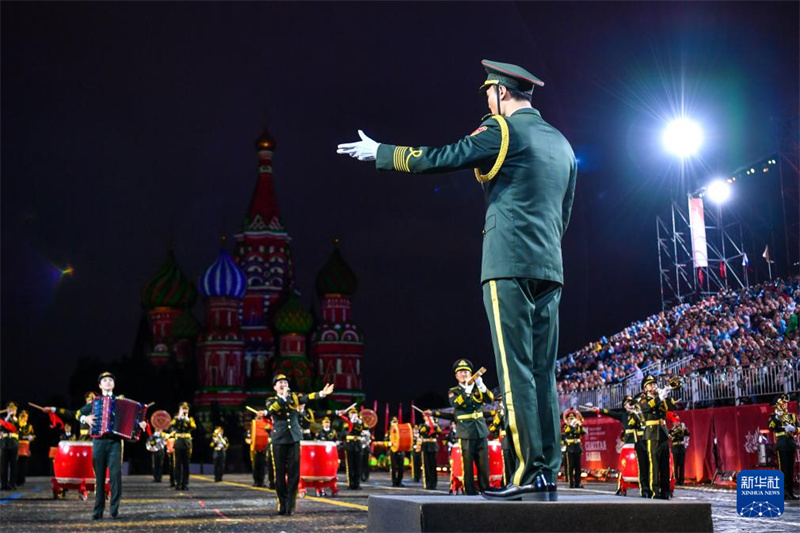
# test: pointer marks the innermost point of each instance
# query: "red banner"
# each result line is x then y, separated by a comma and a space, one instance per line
736, 430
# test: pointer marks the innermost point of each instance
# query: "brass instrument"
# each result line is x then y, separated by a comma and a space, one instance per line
673, 383
785, 418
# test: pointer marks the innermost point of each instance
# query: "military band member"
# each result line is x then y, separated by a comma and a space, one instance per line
784, 425
632, 433
285, 439
467, 400
326, 432
416, 455
366, 452
26, 433
429, 432
219, 443
106, 453
573, 430
654, 406
181, 430
677, 437
452, 437
9, 447
69, 414
396, 460
352, 447
157, 444
528, 172
260, 459
498, 428
67, 434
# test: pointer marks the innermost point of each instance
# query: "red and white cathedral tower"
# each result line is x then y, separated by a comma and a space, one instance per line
168, 297
220, 362
337, 344
263, 254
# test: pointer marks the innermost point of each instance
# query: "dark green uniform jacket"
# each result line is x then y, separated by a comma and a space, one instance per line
470, 423
529, 197
286, 418
655, 417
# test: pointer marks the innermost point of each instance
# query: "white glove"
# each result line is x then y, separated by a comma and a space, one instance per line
479, 383
364, 150
468, 388
662, 394
790, 428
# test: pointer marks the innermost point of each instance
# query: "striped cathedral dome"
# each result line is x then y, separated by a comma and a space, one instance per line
169, 287
336, 277
223, 278
292, 317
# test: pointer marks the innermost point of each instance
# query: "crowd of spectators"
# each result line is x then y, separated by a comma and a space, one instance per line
757, 326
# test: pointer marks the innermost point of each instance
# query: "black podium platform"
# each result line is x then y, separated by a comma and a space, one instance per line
572, 513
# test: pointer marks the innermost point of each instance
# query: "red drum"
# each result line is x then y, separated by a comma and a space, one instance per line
24, 448
495, 466
259, 435
73, 462
401, 437
319, 462
628, 465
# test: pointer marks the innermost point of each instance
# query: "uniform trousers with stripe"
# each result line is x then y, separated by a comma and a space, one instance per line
352, 450
430, 451
658, 467
475, 452
286, 461
643, 462
523, 317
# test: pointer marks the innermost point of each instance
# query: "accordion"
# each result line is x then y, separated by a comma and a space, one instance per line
117, 416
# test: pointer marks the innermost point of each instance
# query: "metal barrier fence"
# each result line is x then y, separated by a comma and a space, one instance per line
702, 389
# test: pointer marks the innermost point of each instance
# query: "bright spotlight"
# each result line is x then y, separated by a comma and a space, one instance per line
683, 137
718, 191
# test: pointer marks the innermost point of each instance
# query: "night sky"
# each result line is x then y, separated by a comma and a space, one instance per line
130, 126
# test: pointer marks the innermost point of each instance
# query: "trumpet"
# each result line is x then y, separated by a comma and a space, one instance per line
673, 383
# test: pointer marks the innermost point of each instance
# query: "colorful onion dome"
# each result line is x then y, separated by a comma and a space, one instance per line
265, 141
185, 326
292, 317
336, 277
223, 279
169, 287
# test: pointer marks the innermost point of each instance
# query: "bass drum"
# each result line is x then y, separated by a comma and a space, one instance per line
401, 437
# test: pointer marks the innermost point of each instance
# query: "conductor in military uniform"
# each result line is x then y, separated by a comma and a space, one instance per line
467, 400
528, 172
285, 438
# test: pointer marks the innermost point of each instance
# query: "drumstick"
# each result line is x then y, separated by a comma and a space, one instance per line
39, 407
350, 406
418, 409
476, 375
149, 405
587, 407
251, 409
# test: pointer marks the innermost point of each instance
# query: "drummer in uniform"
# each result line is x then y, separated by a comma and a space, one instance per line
326, 432
467, 399
285, 439
677, 437
352, 447
416, 455
573, 430
429, 430
9, 447
26, 433
632, 423
69, 414
157, 445
396, 459
498, 427
181, 429
106, 453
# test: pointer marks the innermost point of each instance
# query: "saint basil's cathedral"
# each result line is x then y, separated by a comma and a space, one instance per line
256, 325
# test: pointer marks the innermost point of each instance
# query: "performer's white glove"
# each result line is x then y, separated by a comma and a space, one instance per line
468, 388
479, 383
790, 428
663, 393
364, 150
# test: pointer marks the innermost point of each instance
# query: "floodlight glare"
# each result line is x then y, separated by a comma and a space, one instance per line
718, 191
683, 137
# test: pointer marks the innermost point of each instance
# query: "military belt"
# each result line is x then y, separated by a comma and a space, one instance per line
780, 434
11, 436
654, 422
183, 435
630, 431
572, 441
428, 440
353, 437
476, 416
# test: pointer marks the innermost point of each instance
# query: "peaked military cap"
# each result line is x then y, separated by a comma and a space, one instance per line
394, 420
326, 419
11, 405
279, 377
462, 364
105, 375
183, 405
781, 398
510, 76
649, 378
571, 415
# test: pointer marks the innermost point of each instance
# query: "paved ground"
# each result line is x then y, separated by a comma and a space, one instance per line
234, 505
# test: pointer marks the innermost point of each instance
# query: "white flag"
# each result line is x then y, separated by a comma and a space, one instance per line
765, 255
